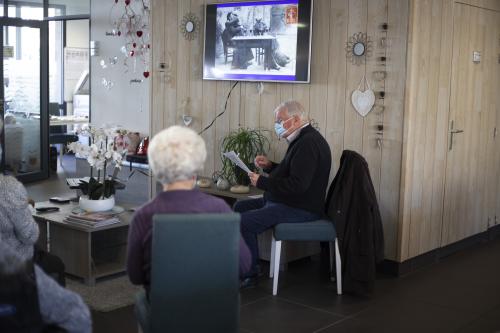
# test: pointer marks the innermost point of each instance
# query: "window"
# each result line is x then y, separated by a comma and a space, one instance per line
70, 7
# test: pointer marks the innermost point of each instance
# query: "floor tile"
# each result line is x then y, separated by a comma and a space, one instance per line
482, 325
325, 297
275, 316
121, 320
405, 317
252, 295
494, 313
449, 291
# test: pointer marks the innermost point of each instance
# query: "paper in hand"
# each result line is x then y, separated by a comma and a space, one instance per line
236, 160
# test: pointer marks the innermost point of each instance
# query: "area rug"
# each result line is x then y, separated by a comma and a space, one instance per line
107, 295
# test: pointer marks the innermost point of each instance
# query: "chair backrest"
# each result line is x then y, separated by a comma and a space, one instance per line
194, 280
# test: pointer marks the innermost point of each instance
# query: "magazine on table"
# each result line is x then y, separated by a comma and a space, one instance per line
91, 219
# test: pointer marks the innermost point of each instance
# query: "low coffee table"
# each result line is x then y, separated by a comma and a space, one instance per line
88, 253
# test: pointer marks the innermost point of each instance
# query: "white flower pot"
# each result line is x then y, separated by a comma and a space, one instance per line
96, 205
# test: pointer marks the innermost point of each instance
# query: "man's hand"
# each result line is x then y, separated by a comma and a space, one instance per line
262, 161
254, 177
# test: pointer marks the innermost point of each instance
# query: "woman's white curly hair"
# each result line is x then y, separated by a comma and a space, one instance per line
176, 153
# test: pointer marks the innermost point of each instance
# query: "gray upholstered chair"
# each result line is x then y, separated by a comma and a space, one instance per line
321, 231
194, 275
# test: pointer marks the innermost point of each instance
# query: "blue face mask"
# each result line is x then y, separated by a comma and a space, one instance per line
280, 129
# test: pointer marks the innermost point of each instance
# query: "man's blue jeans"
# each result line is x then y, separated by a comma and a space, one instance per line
258, 215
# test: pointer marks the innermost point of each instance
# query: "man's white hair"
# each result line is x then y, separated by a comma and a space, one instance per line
293, 108
176, 153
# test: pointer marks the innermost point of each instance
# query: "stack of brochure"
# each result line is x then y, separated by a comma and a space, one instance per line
92, 220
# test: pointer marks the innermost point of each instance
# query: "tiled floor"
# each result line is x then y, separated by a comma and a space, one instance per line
459, 294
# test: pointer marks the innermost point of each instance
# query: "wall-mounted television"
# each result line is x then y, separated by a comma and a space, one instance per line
258, 41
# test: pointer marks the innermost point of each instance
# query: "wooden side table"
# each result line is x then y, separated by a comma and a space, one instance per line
88, 253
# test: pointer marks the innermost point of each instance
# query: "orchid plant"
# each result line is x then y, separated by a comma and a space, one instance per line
104, 150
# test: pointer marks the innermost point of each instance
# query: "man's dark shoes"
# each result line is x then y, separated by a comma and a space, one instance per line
249, 282
260, 272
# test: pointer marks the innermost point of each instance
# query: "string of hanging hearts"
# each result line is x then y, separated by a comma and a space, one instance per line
130, 19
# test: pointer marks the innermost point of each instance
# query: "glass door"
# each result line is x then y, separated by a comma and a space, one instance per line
23, 98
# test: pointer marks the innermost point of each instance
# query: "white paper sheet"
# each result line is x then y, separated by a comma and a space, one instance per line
236, 160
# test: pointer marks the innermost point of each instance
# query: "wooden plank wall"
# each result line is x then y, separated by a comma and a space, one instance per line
427, 106
178, 89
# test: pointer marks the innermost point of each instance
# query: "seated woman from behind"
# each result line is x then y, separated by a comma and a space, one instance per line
176, 155
31, 301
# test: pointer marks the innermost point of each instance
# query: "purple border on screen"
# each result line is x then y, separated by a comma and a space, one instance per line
257, 3
258, 77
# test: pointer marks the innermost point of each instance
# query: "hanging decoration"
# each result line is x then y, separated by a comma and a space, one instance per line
363, 101
130, 19
190, 25
358, 48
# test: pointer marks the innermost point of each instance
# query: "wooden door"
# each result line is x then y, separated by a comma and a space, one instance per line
495, 150
469, 126
492, 172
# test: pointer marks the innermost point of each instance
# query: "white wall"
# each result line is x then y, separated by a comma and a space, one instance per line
77, 36
77, 33
125, 104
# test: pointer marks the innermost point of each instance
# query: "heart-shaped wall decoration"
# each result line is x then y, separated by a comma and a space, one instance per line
187, 120
363, 101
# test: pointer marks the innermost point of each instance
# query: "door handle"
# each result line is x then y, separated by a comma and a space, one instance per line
452, 131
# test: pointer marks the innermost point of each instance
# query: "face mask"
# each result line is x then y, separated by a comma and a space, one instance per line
280, 129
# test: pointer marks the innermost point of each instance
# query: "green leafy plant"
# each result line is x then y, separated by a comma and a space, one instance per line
96, 190
247, 143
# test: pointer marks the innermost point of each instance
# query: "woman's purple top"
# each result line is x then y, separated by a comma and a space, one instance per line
169, 202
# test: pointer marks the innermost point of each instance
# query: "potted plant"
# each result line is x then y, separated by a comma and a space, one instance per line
102, 152
247, 143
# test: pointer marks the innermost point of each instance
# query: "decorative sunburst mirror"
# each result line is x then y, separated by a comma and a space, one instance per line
190, 25
358, 48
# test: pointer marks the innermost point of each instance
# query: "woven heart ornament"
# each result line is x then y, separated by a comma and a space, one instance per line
363, 101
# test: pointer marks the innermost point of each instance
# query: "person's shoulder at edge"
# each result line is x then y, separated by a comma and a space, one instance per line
12, 192
61, 306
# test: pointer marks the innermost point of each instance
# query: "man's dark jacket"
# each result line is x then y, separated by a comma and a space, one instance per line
300, 180
352, 205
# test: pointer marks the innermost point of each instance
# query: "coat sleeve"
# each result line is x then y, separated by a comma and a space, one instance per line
19, 213
61, 307
25, 227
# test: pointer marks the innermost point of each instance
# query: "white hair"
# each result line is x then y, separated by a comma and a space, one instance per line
176, 153
293, 108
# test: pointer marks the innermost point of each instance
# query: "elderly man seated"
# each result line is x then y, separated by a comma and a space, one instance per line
176, 155
294, 189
